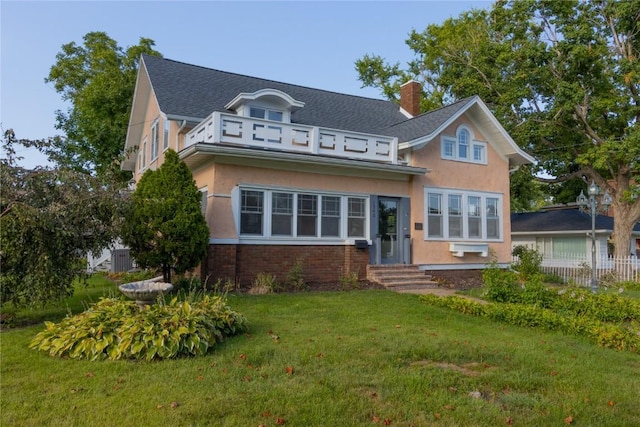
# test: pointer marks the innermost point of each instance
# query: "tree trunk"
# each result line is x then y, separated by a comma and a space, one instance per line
626, 215
166, 273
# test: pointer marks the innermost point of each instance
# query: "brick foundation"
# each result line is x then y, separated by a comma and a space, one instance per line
458, 279
320, 264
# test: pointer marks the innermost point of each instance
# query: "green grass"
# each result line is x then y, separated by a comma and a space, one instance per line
355, 357
97, 286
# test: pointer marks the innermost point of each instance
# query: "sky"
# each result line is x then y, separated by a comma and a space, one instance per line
309, 43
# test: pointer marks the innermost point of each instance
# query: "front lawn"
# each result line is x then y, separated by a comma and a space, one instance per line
335, 359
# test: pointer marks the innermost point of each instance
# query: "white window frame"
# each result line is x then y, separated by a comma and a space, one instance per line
245, 111
204, 196
444, 194
165, 137
450, 147
154, 140
344, 234
143, 155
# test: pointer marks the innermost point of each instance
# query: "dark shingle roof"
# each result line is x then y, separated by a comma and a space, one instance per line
427, 123
559, 220
194, 91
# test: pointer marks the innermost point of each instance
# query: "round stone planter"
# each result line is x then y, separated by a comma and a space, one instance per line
145, 292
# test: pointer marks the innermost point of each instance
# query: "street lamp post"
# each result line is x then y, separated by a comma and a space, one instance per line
592, 206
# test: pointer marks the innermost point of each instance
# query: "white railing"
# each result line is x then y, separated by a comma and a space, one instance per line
577, 268
233, 129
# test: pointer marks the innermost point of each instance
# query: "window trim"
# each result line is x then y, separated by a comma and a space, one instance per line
165, 136
444, 194
267, 215
155, 140
450, 147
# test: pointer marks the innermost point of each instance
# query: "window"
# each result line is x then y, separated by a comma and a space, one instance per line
265, 113
330, 216
144, 154
165, 138
493, 218
307, 214
474, 216
154, 141
463, 144
463, 148
562, 247
479, 153
282, 214
203, 200
251, 209
567, 247
434, 215
357, 217
455, 214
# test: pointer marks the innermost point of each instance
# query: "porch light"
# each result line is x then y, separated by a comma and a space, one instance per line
592, 206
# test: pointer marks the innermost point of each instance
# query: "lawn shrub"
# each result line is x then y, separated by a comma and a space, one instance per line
604, 307
349, 281
117, 329
500, 285
619, 336
529, 261
295, 279
264, 283
131, 276
187, 284
629, 285
534, 292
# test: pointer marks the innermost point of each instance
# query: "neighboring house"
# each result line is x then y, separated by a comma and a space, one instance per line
566, 233
337, 182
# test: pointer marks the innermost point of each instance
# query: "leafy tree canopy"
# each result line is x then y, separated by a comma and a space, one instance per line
563, 77
165, 227
49, 220
98, 79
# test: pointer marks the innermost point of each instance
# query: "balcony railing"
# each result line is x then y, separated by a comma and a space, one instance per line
233, 129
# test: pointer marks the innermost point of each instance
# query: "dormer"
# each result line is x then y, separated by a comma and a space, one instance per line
267, 104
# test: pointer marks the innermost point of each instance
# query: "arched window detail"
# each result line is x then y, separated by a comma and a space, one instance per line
463, 147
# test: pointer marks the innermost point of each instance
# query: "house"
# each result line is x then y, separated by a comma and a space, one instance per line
333, 181
566, 233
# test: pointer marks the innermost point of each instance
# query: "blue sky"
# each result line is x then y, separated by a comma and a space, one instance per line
308, 43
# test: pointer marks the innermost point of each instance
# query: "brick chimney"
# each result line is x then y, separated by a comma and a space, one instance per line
410, 94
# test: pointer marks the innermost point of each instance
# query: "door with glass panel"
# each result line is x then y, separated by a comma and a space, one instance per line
388, 230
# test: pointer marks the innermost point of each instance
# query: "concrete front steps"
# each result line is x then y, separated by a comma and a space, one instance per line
400, 277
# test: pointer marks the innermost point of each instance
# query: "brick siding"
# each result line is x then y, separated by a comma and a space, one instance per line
320, 264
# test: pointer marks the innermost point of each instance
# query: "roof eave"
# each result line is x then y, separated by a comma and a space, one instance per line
298, 159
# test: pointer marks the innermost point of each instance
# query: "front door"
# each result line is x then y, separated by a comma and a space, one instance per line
388, 230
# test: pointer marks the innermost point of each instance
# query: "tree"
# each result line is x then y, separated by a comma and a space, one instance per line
98, 79
562, 77
165, 227
49, 220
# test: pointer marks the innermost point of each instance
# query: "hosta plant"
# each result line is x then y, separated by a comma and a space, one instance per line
117, 329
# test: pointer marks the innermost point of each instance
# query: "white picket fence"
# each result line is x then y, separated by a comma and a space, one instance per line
577, 268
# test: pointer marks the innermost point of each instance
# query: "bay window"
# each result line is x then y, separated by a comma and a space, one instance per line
458, 215
285, 214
